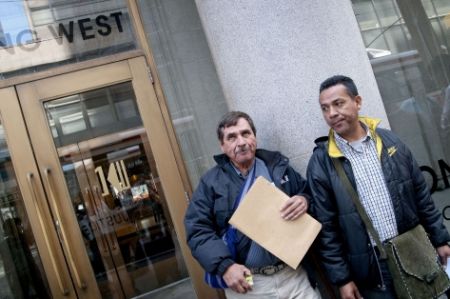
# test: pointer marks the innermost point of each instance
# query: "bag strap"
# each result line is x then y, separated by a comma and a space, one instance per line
247, 184
361, 211
230, 234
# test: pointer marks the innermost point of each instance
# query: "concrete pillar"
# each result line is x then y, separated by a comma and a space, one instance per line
271, 57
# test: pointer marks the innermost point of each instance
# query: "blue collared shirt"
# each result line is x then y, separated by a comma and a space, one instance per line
258, 256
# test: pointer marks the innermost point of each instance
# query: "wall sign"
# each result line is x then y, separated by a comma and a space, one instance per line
73, 31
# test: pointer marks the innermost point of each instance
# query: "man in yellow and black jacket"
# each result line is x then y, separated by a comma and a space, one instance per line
389, 184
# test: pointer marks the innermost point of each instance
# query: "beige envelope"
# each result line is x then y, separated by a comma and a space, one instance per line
258, 217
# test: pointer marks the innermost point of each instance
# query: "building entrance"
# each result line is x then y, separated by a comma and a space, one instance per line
99, 183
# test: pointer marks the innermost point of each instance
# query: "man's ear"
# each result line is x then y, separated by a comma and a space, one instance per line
358, 100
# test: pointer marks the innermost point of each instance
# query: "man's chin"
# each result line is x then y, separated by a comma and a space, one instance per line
244, 160
339, 129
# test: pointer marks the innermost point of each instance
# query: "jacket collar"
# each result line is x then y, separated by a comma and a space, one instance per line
269, 157
371, 123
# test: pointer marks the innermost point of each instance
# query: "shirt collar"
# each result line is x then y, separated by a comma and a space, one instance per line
356, 145
239, 172
341, 139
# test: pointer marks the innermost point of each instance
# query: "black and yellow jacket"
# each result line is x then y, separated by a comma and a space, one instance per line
345, 248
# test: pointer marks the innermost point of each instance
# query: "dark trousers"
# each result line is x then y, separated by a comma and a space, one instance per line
383, 292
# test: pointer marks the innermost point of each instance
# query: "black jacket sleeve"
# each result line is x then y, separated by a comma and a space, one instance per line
202, 233
323, 207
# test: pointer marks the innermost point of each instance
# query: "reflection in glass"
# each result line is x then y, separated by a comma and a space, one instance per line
191, 87
413, 71
21, 272
36, 35
91, 114
116, 194
413, 76
11, 32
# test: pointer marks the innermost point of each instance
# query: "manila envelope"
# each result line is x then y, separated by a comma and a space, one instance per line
258, 217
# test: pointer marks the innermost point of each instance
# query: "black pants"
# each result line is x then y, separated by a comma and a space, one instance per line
383, 292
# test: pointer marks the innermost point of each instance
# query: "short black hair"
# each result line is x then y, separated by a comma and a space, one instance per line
340, 79
231, 119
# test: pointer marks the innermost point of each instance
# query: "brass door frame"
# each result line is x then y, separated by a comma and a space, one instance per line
35, 202
32, 95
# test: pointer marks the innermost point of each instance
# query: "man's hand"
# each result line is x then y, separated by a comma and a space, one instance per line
294, 207
444, 253
235, 278
350, 291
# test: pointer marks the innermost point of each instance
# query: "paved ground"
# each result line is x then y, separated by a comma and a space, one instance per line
180, 290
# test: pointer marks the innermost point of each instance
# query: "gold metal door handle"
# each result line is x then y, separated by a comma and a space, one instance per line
80, 282
91, 202
55, 266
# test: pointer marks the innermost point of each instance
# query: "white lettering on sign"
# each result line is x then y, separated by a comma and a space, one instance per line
117, 177
101, 177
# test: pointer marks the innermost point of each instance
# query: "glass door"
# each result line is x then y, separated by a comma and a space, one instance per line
31, 261
111, 179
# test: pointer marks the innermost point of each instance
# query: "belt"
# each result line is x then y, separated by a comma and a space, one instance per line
269, 270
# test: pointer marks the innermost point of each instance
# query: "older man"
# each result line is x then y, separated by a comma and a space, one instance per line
212, 204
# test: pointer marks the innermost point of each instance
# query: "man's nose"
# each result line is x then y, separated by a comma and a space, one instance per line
332, 112
241, 140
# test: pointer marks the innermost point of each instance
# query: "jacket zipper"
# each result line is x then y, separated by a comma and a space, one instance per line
383, 286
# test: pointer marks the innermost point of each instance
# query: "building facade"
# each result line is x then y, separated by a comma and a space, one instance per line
108, 111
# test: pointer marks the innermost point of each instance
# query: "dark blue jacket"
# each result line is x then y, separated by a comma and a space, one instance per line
345, 247
211, 206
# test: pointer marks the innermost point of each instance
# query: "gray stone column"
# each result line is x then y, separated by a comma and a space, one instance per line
271, 57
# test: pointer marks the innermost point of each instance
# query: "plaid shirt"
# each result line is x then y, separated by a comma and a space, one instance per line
370, 183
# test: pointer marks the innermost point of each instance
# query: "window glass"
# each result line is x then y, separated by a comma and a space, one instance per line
40, 34
411, 62
365, 14
92, 113
188, 78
